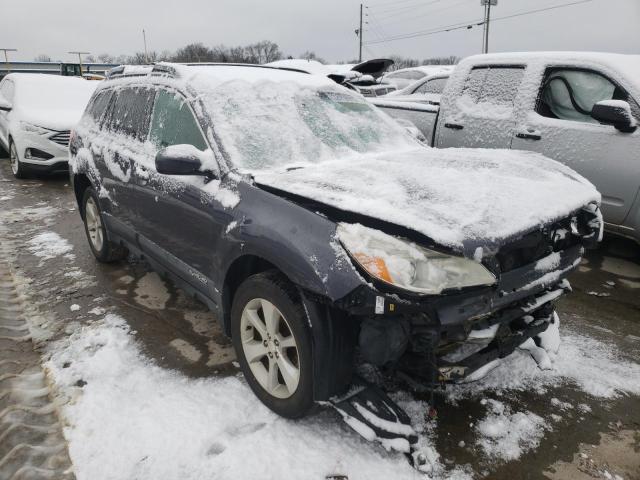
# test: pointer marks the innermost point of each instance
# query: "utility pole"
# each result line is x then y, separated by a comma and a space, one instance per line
6, 57
80, 59
146, 55
360, 36
487, 19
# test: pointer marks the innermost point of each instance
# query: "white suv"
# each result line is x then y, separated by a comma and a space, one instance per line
37, 113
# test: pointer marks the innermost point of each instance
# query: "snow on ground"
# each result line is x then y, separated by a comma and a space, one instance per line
506, 435
154, 423
49, 245
592, 365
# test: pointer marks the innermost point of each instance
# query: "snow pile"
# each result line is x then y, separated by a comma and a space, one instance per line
507, 435
592, 366
154, 423
454, 196
49, 245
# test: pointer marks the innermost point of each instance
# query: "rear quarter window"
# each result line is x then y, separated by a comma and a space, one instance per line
97, 106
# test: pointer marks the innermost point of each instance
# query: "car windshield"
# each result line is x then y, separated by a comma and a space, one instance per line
276, 124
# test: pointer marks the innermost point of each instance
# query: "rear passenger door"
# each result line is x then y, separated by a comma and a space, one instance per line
127, 124
482, 113
179, 222
558, 124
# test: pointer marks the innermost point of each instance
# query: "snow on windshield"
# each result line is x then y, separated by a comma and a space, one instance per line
274, 122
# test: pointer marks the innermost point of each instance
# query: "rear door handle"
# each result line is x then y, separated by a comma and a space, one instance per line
529, 135
453, 126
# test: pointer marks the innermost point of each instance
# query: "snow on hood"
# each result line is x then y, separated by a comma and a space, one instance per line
457, 197
51, 101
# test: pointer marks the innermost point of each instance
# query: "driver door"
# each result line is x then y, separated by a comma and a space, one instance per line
562, 128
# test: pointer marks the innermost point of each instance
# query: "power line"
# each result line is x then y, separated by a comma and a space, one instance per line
473, 23
378, 5
404, 10
431, 12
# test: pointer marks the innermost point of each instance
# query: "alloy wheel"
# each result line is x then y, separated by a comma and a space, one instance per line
94, 225
270, 348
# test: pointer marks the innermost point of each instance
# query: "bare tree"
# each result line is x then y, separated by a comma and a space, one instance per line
309, 55
194, 52
262, 52
106, 58
43, 57
450, 60
90, 59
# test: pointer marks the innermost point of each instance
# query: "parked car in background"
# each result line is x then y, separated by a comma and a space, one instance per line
405, 77
579, 108
313, 225
37, 113
426, 90
365, 77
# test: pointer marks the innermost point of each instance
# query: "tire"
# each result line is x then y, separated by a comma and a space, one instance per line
252, 338
17, 167
102, 248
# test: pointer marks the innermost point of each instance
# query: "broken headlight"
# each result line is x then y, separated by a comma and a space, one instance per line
406, 265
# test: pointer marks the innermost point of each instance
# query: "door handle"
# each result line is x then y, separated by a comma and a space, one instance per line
529, 135
453, 126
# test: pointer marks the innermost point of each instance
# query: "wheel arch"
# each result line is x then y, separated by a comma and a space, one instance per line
80, 184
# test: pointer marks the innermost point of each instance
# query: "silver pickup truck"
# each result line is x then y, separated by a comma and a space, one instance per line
579, 108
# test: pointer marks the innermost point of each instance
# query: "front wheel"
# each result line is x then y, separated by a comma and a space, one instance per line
17, 167
272, 341
102, 248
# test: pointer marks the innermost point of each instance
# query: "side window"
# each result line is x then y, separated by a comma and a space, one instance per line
131, 111
494, 85
435, 85
7, 90
173, 123
570, 94
96, 108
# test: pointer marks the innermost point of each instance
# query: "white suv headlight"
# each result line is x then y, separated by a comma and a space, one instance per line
31, 128
409, 266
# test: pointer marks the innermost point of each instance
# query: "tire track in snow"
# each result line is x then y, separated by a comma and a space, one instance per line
31, 442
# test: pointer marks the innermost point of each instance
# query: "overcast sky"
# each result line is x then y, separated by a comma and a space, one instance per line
326, 26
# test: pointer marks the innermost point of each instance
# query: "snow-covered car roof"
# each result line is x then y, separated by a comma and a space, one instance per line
627, 66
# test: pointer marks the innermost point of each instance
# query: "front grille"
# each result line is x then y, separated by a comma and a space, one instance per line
536, 245
61, 138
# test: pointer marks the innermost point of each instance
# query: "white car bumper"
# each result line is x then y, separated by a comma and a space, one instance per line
43, 152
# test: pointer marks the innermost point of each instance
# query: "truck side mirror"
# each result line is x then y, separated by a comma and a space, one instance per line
616, 113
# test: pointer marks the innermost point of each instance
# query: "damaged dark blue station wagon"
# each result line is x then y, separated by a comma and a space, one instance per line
318, 231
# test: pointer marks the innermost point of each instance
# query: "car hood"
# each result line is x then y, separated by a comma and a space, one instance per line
60, 119
458, 198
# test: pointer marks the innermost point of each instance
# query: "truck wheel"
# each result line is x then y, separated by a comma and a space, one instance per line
102, 248
17, 167
271, 337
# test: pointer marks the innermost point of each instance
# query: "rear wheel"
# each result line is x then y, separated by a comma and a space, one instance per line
17, 167
272, 341
102, 248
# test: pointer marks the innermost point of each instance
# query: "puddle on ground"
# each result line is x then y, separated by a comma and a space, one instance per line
152, 292
188, 351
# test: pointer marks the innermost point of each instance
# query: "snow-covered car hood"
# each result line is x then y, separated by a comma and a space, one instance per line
460, 198
61, 119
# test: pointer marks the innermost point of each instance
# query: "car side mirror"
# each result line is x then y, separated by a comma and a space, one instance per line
185, 160
616, 113
5, 105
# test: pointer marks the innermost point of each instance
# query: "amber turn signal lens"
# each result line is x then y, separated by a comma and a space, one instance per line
375, 266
